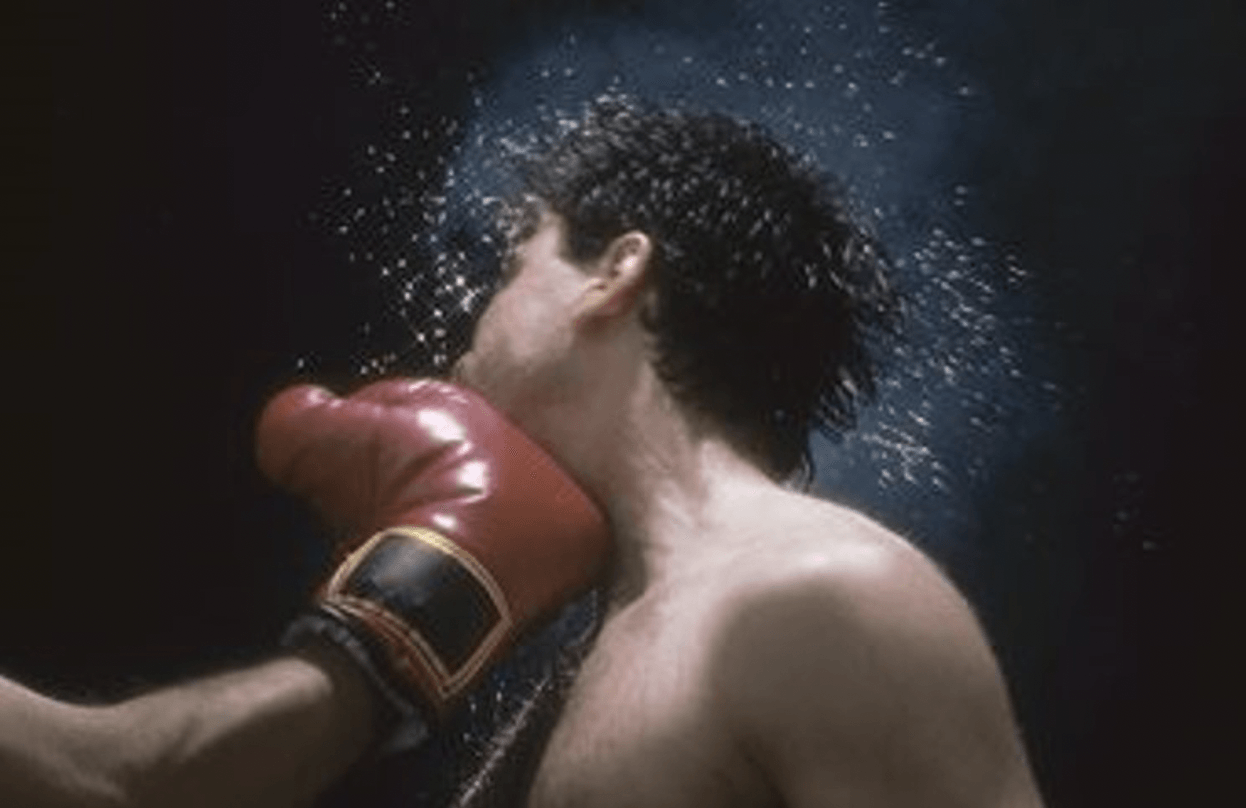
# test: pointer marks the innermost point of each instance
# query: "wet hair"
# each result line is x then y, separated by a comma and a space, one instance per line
770, 297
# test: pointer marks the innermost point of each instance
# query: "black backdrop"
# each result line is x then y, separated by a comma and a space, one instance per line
162, 272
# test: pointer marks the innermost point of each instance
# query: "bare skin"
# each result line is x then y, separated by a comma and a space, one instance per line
761, 647
271, 735
810, 658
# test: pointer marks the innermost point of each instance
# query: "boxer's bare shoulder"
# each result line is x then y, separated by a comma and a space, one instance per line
808, 657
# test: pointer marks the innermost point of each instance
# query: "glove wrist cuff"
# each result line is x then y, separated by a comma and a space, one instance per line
402, 723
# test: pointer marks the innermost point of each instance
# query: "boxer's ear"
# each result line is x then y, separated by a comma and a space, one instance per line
619, 277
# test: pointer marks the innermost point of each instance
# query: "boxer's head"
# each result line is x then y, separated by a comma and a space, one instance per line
763, 295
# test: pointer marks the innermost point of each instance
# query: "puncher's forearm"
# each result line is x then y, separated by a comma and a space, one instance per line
274, 734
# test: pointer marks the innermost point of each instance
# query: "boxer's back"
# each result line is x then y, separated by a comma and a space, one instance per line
746, 676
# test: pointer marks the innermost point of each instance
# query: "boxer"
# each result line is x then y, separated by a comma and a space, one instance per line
684, 302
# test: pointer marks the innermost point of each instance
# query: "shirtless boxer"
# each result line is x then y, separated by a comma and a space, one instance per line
683, 303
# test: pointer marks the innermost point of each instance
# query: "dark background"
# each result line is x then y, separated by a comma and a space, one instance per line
162, 273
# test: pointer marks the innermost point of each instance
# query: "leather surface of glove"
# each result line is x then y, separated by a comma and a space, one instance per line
457, 530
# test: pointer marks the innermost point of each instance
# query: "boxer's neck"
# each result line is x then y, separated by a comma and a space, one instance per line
668, 480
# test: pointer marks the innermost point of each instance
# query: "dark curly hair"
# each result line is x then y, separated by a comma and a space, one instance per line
770, 298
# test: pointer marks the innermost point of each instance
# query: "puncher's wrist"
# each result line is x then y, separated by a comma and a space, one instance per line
400, 721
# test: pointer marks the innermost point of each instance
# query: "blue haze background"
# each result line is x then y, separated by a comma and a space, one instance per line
208, 199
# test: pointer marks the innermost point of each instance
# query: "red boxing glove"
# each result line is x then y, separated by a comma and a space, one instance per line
459, 530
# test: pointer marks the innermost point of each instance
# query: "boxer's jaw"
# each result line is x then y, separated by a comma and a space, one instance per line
522, 344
